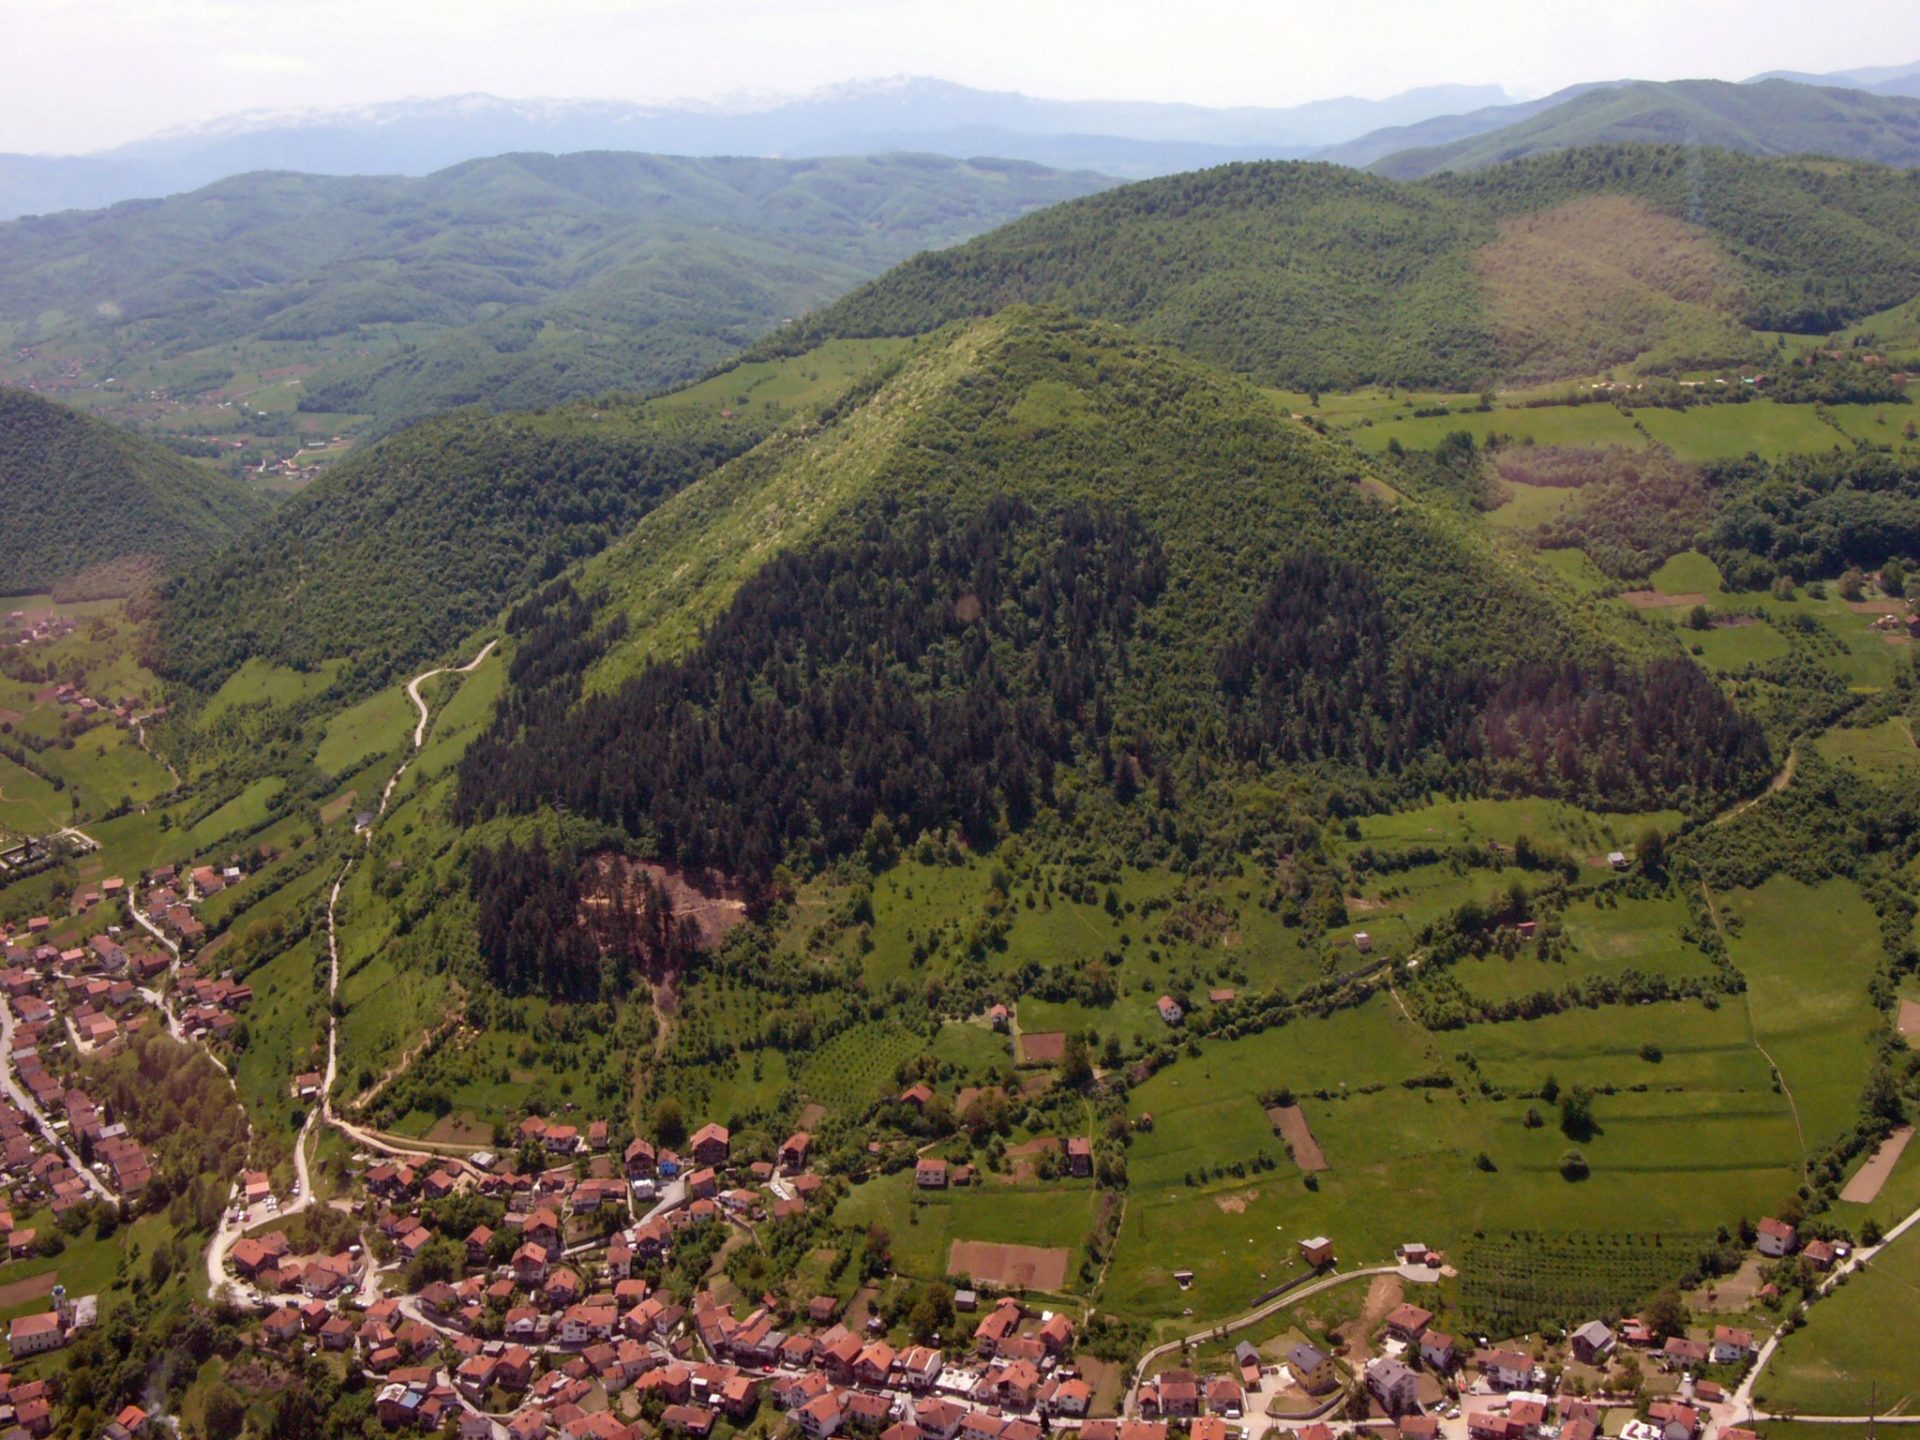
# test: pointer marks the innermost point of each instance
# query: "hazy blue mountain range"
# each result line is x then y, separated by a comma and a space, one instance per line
520, 280
416, 137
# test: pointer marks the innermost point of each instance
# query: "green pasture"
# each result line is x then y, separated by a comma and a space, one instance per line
378, 725
924, 1225
1548, 822
1809, 954
1856, 1350
242, 815
1883, 752
1727, 432
29, 804
260, 682
1604, 935
1576, 567
1529, 506
771, 386
1591, 425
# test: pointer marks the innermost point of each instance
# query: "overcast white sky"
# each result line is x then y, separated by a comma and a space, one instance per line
78, 75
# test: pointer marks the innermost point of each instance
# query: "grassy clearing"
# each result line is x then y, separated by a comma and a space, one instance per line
925, 1225
378, 725
1162, 933
1726, 432
1583, 425
1206, 1111
29, 803
1814, 1018
259, 682
1885, 751
1602, 939
1689, 573
1454, 822
242, 815
770, 386
975, 1049
1530, 506
1576, 567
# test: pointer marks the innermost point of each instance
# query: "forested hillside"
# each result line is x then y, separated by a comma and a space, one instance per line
1774, 117
517, 281
1313, 276
85, 501
1045, 565
426, 535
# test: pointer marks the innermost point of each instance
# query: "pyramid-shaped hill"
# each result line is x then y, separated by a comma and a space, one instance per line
1040, 555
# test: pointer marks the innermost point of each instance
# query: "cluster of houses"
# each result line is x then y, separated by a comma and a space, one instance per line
39, 1172
68, 696
28, 1407
36, 627
170, 898
514, 1348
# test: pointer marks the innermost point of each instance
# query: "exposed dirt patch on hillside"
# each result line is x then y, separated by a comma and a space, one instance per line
1010, 1267
1024, 1158
31, 1288
1909, 1019
654, 913
1383, 1298
1867, 1180
1043, 1047
1290, 1123
1237, 1202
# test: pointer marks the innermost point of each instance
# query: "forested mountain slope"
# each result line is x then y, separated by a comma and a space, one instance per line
516, 281
422, 537
1314, 276
1043, 564
80, 495
1773, 117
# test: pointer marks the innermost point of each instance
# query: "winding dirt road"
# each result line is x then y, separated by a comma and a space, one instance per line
323, 1113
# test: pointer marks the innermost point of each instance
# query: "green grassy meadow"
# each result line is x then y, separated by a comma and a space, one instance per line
1815, 1020
1856, 1347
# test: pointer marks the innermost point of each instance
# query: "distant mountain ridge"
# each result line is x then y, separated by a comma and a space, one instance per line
1768, 117
1559, 266
415, 137
514, 281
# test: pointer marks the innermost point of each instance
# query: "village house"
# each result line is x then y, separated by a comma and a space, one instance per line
1674, 1420
1731, 1346
1408, 1323
1394, 1385
1776, 1238
1592, 1343
1438, 1351
710, 1145
1505, 1369
1173, 1394
1313, 1369
1681, 1353
35, 1334
1169, 1009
